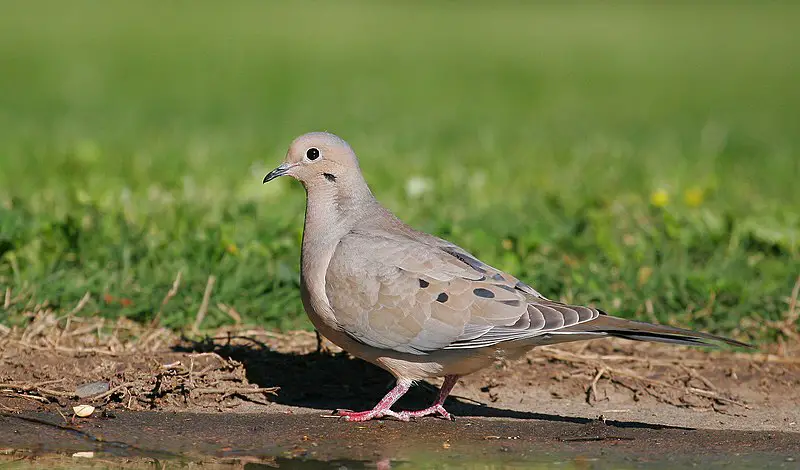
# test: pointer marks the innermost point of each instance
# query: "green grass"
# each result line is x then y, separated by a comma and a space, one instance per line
133, 140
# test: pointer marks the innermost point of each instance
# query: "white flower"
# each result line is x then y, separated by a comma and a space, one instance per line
416, 186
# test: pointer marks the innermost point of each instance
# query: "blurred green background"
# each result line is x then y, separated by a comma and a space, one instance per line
642, 157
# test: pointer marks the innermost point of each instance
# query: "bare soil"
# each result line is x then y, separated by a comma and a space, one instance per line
43, 367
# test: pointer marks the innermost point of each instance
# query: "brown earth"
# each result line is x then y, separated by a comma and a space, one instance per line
256, 371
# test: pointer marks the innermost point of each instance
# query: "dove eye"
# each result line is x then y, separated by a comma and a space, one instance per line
312, 153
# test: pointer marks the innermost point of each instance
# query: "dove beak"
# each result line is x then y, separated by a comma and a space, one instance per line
280, 171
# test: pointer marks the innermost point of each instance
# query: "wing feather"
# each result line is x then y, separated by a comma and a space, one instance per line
419, 294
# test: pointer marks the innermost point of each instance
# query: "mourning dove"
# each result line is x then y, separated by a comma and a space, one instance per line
415, 304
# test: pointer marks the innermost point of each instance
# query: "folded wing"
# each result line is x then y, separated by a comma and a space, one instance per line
418, 295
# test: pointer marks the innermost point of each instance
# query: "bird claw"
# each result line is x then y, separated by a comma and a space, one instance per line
405, 416
361, 416
437, 410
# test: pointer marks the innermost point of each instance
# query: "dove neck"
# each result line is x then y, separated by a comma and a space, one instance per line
331, 212
334, 209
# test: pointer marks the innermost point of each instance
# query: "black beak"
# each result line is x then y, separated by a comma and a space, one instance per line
280, 171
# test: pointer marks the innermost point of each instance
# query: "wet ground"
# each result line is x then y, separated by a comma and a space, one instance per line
307, 440
256, 399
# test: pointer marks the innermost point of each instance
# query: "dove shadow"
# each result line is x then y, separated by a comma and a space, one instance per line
324, 381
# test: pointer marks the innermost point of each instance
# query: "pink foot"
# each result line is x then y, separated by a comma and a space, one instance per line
437, 410
383, 409
358, 416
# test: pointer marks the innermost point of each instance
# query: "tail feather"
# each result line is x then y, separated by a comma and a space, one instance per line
641, 331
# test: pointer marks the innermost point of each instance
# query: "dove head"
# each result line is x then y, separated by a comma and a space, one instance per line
318, 159
329, 171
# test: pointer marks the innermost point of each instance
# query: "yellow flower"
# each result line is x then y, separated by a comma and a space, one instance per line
659, 198
693, 197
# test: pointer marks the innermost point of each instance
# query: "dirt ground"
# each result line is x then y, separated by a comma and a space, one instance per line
52, 366
261, 438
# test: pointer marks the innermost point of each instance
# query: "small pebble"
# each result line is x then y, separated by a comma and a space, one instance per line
90, 389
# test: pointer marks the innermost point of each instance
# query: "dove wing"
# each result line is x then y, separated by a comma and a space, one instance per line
415, 293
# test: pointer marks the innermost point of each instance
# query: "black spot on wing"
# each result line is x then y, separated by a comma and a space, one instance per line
423, 283
485, 293
442, 298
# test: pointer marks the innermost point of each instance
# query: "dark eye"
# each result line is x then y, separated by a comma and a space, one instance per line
312, 153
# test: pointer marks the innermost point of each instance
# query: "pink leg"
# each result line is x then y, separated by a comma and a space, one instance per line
438, 406
382, 409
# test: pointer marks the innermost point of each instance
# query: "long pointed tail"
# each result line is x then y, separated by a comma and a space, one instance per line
641, 331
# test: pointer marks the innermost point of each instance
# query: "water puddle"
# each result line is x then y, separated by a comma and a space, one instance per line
308, 441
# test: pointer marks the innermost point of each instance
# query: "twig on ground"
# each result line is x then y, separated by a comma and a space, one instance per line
598, 361
36, 398
693, 390
231, 312
66, 421
112, 391
788, 324
41, 321
82, 330
173, 291
49, 382
211, 354
33, 388
201, 312
81, 304
236, 390
64, 331
154, 336
694, 374
592, 389
68, 350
